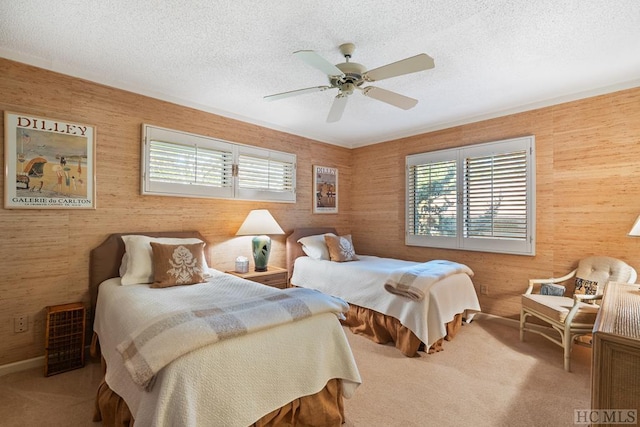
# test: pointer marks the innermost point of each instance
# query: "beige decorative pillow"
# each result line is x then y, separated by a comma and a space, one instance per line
137, 262
175, 265
340, 248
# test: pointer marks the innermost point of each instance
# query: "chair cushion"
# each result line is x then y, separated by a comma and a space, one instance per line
557, 308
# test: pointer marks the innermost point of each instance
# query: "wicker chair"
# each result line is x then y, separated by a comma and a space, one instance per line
572, 317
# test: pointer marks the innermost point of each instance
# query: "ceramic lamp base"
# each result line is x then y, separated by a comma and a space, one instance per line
261, 246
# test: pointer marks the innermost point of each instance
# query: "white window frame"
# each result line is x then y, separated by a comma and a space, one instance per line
519, 246
279, 186
273, 186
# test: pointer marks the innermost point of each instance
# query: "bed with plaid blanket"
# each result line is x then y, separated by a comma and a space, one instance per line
162, 339
209, 353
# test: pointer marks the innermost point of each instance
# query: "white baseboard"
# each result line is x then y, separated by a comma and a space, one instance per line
22, 365
36, 362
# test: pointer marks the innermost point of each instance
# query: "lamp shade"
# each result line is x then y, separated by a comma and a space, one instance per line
259, 222
635, 230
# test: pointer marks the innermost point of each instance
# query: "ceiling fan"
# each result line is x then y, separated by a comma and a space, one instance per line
349, 76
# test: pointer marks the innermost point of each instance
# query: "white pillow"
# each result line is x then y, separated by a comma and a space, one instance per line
123, 265
138, 265
315, 247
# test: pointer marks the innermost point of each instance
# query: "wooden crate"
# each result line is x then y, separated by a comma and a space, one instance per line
64, 341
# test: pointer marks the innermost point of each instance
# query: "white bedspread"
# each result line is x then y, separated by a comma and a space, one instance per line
362, 283
233, 382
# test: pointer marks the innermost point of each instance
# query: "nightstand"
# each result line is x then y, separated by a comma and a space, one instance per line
274, 276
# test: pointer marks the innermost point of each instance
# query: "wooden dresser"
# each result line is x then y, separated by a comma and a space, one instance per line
615, 375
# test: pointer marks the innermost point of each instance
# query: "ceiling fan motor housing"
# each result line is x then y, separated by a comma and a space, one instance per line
352, 74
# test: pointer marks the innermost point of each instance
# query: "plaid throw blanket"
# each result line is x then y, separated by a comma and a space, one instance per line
167, 337
413, 282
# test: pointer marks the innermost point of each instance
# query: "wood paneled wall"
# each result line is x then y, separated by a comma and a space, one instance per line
44, 256
588, 192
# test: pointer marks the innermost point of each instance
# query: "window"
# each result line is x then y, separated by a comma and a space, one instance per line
480, 198
182, 164
265, 175
188, 168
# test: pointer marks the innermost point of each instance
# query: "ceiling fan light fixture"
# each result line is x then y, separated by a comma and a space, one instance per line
347, 88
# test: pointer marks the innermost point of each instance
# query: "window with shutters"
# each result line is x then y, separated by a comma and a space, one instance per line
181, 164
480, 197
265, 175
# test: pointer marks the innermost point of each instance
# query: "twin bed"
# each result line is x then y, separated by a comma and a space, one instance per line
294, 372
262, 356
410, 323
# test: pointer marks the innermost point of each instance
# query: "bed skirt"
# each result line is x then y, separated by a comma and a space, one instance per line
325, 408
384, 329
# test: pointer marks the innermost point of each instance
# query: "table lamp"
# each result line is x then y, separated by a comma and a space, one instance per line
259, 223
635, 230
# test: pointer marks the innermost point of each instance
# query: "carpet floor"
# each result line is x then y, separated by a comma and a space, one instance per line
484, 377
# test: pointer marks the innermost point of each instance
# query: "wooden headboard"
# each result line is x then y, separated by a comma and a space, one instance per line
104, 260
294, 249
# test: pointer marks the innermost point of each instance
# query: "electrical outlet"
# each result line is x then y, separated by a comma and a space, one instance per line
484, 290
20, 324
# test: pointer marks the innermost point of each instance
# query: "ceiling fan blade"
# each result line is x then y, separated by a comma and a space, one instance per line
317, 61
337, 108
406, 66
282, 95
389, 97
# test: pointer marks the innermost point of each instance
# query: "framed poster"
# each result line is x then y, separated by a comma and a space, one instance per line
325, 187
49, 164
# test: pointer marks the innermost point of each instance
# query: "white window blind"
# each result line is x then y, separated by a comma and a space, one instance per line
495, 196
189, 165
263, 172
181, 164
480, 197
432, 193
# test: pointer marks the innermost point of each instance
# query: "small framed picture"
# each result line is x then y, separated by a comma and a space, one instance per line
49, 164
325, 187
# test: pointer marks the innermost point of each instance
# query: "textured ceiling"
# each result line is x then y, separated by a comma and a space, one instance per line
492, 57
